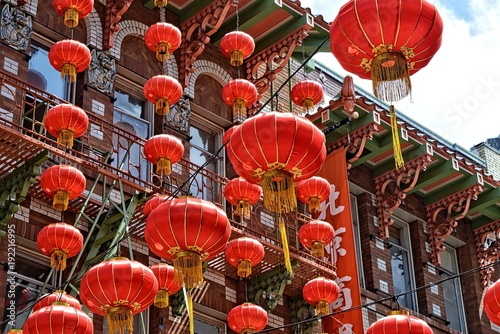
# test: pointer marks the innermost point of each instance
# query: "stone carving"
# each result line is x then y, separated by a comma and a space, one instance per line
16, 27
179, 114
102, 71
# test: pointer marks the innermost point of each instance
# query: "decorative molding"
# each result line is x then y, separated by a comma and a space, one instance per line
392, 188
457, 203
114, 12
300, 311
16, 27
488, 250
209, 68
348, 96
102, 71
179, 114
196, 33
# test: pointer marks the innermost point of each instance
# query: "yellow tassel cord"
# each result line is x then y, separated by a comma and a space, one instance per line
244, 268
71, 18
239, 108
163, 50
286, 250
61, 200
120, 319
243, 209
68, 70
398, 154
314, 204
188, 269
279, 191
236, 58
162, 107
307, 105
322, 308
65, 138
58, 259
390, 77
163, 166
317, 249
190, 311
248, 331
159, 3
161, 299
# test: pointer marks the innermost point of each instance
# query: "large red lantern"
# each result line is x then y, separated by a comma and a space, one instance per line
307, 93
58, 318
240, 94
320, 292
237, 46
72, 10
386, 41
197, 231
313, 191
66, 122
315, 235
163, 151
118, 289
399, 321
242, 194
167, 285
244, 253
62, 183
60, 241
163, 91
491, 302
57, 296
247, 318
163, 38
69, 57
153, 203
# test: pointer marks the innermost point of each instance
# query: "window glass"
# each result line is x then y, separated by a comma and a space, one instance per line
204, 327
43, 75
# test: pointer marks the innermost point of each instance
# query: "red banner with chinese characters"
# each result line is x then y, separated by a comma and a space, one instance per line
337, 211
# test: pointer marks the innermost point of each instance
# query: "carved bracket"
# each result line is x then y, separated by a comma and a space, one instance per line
392, 188
16, 27
488, 250
458, 204
196, 33
300, 311
274, 58
115, 9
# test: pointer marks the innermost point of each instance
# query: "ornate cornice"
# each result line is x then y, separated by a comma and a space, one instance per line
488, 250
115, 9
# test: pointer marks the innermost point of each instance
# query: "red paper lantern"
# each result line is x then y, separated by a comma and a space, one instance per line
163, 91
58, 318
62, 183
197, 231
237, 46
241, 94
167, 285
247, 318
386, 41
315, 235
306, 94
60, 241
277, 149
72, 10
399, 321
118, 289
69, 57
153, 203
163, 38
163, 151
66, 122
320, 292
242, 194
244, 253
491, 302
57, 296
313, 191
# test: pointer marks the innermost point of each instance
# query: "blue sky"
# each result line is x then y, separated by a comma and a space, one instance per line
457, 95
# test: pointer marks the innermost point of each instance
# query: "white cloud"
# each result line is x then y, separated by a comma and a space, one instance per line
456, 95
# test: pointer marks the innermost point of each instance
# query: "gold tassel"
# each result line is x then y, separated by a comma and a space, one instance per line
390, 76
58, 259
236, 58
322, 308
243, 209
239, 108
286, 251
244, 268
68, 70
164, 166
190, 312
188, 269
279, 191
65, 138
398, 154
317, 249
248, 331
61, 200
307, 105
161, 299
160, 3
120, 319
162, 107
71, 18
314, 204
163, 51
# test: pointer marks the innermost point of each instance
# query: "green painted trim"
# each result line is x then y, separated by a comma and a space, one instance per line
451, 189
408, 155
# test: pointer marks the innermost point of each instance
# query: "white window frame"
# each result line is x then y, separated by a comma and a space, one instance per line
211, 316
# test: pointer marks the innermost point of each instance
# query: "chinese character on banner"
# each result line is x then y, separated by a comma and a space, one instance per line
337, 211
